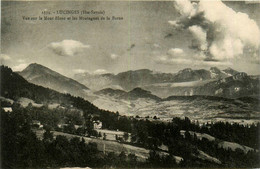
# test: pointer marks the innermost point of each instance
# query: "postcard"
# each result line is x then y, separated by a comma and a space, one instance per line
130, 84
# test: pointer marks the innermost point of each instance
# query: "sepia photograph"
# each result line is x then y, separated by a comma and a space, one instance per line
129, 84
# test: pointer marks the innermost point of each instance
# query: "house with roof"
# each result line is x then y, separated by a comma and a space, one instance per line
37, 124
97, 124
8, 109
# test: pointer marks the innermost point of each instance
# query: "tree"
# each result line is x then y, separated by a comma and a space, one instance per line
132, 160
154, 158
187, 135
70, 128
89, 125
126, 136
104, 136
47, 136
122, 156
81, 131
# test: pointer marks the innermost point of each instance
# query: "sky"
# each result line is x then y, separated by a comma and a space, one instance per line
163, 36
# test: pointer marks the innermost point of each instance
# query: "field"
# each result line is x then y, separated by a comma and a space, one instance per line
111, 146
198, 109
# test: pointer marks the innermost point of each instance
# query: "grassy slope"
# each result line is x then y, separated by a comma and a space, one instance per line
224, 144
111, 146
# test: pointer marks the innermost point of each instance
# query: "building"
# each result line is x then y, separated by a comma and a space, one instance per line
8, 109
97, 124
62, 125
37, 123
78, 126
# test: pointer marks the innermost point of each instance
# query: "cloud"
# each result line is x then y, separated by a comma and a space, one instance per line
114, 56
186, 61
67, 47
20, 67
214, 63
172, 61
79, 70
20, 61
185, 7
200, 37
4, 58
219, 31
97, 72
173, 23
100, 71
175, 52
156, 45
176, 56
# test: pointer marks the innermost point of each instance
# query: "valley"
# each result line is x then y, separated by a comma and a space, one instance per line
129, 84
179, 130
202, 95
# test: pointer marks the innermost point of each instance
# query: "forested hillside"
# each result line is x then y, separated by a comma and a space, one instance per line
21, 148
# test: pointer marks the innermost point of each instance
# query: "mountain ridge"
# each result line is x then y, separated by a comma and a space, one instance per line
134, 94
41, 75
227, 83
131, 79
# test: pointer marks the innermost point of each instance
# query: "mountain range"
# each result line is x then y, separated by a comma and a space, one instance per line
147, 84
235, 86
227, 83
145, 103
131, 79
